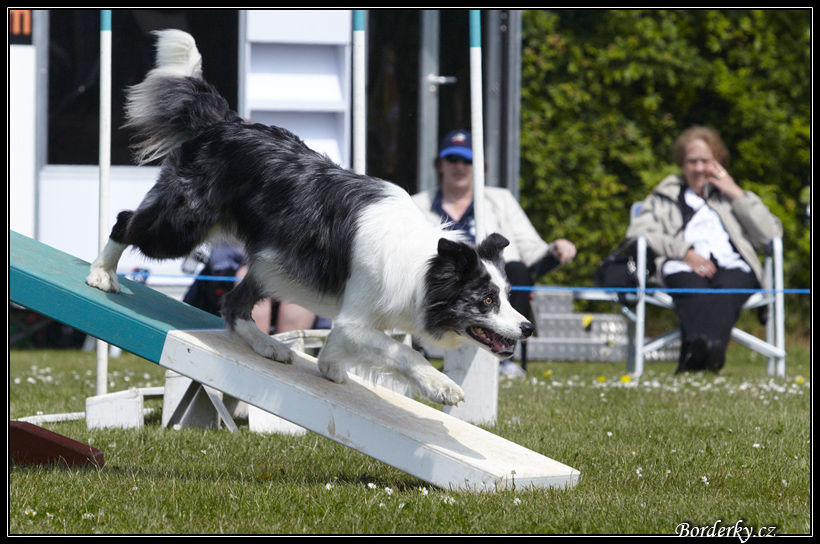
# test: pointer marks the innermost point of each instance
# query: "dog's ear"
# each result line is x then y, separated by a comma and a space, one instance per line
460, 255
492, 247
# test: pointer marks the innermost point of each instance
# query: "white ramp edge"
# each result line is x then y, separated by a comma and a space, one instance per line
398, 431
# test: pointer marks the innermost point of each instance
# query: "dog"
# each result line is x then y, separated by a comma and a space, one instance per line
350, 247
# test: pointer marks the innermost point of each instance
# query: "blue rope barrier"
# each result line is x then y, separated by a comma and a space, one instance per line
203, 277
143, 274
663, 290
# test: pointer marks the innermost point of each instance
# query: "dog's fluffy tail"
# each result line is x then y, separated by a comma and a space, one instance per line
173, 103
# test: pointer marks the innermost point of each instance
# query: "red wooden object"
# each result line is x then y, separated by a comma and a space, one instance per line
33, 445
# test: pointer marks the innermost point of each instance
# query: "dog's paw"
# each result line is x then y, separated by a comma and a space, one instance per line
104, 280
449, 395
440, 389
261, 343
332, 371
273, 350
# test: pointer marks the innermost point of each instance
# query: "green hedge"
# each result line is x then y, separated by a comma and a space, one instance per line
606, 92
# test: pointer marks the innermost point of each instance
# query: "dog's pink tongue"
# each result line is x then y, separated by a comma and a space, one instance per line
500, 344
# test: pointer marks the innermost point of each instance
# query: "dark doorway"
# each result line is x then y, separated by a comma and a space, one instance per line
74, 71
393, 93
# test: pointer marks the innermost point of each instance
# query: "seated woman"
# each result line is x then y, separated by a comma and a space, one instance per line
705, 231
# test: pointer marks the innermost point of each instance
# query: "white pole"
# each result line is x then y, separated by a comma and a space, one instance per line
105, 169
476, 109
359, 100
474, 369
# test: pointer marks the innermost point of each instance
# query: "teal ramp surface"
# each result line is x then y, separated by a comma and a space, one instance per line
137, 319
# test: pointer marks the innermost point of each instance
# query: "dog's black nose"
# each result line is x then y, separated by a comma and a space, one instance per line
527, 329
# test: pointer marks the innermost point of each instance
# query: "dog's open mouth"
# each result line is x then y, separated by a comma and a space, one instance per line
494, 341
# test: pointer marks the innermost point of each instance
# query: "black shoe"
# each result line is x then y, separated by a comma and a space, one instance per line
716, 356
693, 355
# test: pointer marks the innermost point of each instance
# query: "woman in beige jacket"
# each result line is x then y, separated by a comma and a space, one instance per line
705, 231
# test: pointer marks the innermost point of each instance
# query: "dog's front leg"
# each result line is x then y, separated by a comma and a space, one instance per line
103, 272
379, 353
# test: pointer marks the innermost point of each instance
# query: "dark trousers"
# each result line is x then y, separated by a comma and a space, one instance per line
710, 316
519, 275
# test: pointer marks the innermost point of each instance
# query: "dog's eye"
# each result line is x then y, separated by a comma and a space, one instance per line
488, 301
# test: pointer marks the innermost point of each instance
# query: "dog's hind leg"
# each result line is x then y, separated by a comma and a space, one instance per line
376, 352
236, 311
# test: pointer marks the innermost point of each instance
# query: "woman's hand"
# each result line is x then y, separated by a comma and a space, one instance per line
563, 250
720, 178
700, 265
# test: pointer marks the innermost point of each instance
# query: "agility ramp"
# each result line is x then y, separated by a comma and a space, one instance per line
408, 435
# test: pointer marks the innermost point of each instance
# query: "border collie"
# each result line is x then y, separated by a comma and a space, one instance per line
347, 246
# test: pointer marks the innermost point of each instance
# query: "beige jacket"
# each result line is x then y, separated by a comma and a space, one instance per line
504, 215
749, 223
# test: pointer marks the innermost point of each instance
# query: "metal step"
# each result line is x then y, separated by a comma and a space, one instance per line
577, 337
552, 302
560, 349
608, 328
565, 335
577, 349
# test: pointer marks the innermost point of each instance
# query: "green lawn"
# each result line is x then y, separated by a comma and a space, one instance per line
655, 455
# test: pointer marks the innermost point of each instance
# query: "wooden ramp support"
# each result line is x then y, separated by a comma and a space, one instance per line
410, 436
33, 445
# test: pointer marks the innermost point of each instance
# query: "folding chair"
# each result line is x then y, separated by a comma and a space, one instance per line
771, 296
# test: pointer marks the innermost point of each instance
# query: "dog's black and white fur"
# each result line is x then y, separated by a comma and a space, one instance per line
350, 247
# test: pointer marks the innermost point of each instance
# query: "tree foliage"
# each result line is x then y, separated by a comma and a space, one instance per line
606, 92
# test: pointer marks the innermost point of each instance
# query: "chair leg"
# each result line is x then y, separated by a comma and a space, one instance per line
640, 309
775, 326
631, 347
779, 315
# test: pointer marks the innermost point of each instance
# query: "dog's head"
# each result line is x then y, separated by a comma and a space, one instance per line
468, 297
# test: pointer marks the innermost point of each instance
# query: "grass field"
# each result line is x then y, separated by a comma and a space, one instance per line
659, 455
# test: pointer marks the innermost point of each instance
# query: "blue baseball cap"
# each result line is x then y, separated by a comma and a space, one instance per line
457, 142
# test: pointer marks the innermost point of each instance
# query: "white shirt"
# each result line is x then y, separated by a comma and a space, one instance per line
708, 238
504, 215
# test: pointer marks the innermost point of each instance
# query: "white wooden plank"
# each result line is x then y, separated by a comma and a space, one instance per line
410, 436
